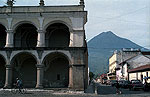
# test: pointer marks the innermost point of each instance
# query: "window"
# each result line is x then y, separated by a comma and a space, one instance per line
58, 76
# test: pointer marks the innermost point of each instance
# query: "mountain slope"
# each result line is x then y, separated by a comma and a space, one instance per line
101, 48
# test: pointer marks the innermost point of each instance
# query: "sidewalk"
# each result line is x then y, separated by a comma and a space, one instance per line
91, 88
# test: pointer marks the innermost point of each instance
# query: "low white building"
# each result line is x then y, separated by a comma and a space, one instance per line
135, 68
115, 68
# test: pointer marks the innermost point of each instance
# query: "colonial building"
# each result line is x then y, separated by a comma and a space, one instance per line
115, 68
44, 46
137, 67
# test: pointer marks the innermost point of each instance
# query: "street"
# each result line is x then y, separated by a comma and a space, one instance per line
111, 91
100, 91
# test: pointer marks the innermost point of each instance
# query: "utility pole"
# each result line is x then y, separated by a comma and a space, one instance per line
122, 62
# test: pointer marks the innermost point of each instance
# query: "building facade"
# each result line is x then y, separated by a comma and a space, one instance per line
112, 67
137, 68
115, 68
44, 46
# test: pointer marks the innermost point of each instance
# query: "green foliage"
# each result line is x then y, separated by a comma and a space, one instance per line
91, 75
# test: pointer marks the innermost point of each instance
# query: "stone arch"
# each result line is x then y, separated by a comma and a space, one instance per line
18, 53
56, 70
16, 25
25, 35
3, 35
62, 53
57, 35
2, 70
58, 21
24, 67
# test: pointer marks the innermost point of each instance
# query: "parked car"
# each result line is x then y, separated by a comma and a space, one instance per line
146, 87
124, 83
113, 82
104, 81
108, 82
135, 84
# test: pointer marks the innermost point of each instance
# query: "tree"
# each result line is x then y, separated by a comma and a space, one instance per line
91, 75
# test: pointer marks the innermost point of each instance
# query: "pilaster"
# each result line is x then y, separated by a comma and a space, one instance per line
41, 38
8, 80
40, 72
9, 38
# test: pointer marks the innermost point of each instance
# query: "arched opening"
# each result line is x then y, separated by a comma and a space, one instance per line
2, 71
25, 36
2, 36
57, 35
56, 71
24, 68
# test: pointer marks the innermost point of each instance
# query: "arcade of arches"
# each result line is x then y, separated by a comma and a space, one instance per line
24, 67
25, 36
43, 46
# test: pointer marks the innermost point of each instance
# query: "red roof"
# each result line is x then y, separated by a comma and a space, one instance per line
103, 75
140, 69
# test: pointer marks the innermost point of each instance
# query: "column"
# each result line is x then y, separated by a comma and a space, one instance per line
41, 38
8, 80
9, 38
70, 77
71, 39
39, 83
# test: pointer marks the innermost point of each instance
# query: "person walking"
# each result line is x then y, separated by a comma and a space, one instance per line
19, 84
118, 91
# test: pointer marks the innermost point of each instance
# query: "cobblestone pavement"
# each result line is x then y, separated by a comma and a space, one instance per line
101, 91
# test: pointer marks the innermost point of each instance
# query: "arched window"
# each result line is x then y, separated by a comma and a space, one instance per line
57, 35
25, 36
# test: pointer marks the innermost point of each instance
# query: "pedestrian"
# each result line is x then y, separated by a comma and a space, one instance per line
19, 84
118, 91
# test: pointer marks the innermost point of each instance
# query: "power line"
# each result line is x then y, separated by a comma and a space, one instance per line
129, 21
116, 17
127, 13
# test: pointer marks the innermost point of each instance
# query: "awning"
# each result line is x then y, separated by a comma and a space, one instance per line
111, 74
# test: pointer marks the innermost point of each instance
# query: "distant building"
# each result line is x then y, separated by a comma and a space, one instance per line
115, 71
103, 78
44, 46
136, 67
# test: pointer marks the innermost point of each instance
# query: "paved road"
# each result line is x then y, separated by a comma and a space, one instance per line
102, 91
109, 90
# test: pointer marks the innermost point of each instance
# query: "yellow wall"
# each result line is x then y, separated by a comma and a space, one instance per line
112, 63
113, 58
134, 76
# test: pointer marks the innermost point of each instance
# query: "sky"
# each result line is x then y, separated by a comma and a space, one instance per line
126, 18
